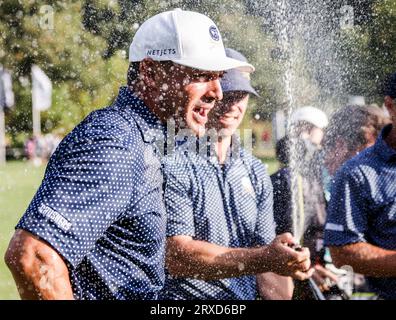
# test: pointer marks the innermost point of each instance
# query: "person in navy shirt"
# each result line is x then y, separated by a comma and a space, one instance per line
96, 227
361, 226
220, 228
342, 140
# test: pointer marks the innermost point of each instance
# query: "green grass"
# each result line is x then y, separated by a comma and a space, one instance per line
272, 164
18, 183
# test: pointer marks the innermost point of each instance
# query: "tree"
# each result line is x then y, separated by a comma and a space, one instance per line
55, 40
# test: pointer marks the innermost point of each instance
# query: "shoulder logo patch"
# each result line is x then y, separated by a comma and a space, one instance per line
55, 217
334, 227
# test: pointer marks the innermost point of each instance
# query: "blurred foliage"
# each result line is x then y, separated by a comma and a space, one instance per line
85, 53
70, 55
370, 51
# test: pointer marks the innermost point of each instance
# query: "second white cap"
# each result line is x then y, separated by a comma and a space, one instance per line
312, 115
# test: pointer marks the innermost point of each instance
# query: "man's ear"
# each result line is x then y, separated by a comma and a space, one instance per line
147, 72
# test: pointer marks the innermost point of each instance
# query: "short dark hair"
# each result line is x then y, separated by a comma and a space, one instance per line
134, 70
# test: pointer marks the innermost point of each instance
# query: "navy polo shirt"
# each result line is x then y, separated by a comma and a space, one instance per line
99, 206
229, 206
363, 205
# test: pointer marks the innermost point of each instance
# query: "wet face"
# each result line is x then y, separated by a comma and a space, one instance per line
188, 94
228, 113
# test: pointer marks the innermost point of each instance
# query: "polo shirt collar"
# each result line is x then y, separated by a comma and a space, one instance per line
382, 148
148, 123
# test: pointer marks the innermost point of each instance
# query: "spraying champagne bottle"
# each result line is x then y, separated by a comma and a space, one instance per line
306, 289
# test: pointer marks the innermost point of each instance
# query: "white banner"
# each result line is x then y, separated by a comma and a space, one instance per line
41, 89
7, 99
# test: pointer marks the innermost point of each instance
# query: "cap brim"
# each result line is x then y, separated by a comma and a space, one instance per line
234, 82
216, 64
248, 89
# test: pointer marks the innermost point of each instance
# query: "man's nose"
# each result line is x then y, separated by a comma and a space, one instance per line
214, 90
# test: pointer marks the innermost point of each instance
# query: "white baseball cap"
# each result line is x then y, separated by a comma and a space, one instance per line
186, 38
312, 115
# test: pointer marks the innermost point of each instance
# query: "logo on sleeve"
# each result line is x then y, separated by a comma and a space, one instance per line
334, 227
214, 33
55, 217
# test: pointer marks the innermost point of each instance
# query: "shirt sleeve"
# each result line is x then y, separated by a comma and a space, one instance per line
87, 186
178, 199
348, 209
265, 226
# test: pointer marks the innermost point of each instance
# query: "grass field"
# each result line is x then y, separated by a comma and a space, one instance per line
18, 183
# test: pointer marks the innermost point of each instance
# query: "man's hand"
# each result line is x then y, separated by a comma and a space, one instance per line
324, 278
286, 261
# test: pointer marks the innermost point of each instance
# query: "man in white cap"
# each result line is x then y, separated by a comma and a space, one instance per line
221, 232
96, 227
307, 124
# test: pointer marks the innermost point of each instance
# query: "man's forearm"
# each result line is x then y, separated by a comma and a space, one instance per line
40, 283
366, 259
38, 270
208, 261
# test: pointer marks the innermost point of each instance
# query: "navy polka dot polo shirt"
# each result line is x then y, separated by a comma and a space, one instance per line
98, 205
229, 205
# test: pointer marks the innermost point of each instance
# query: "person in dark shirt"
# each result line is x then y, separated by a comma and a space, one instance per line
360, 229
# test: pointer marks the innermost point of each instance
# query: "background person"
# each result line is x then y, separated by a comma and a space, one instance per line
360, 228
344, 138
342, 141
307, 126
307, 134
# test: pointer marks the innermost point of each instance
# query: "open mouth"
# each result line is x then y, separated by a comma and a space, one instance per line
200, 115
